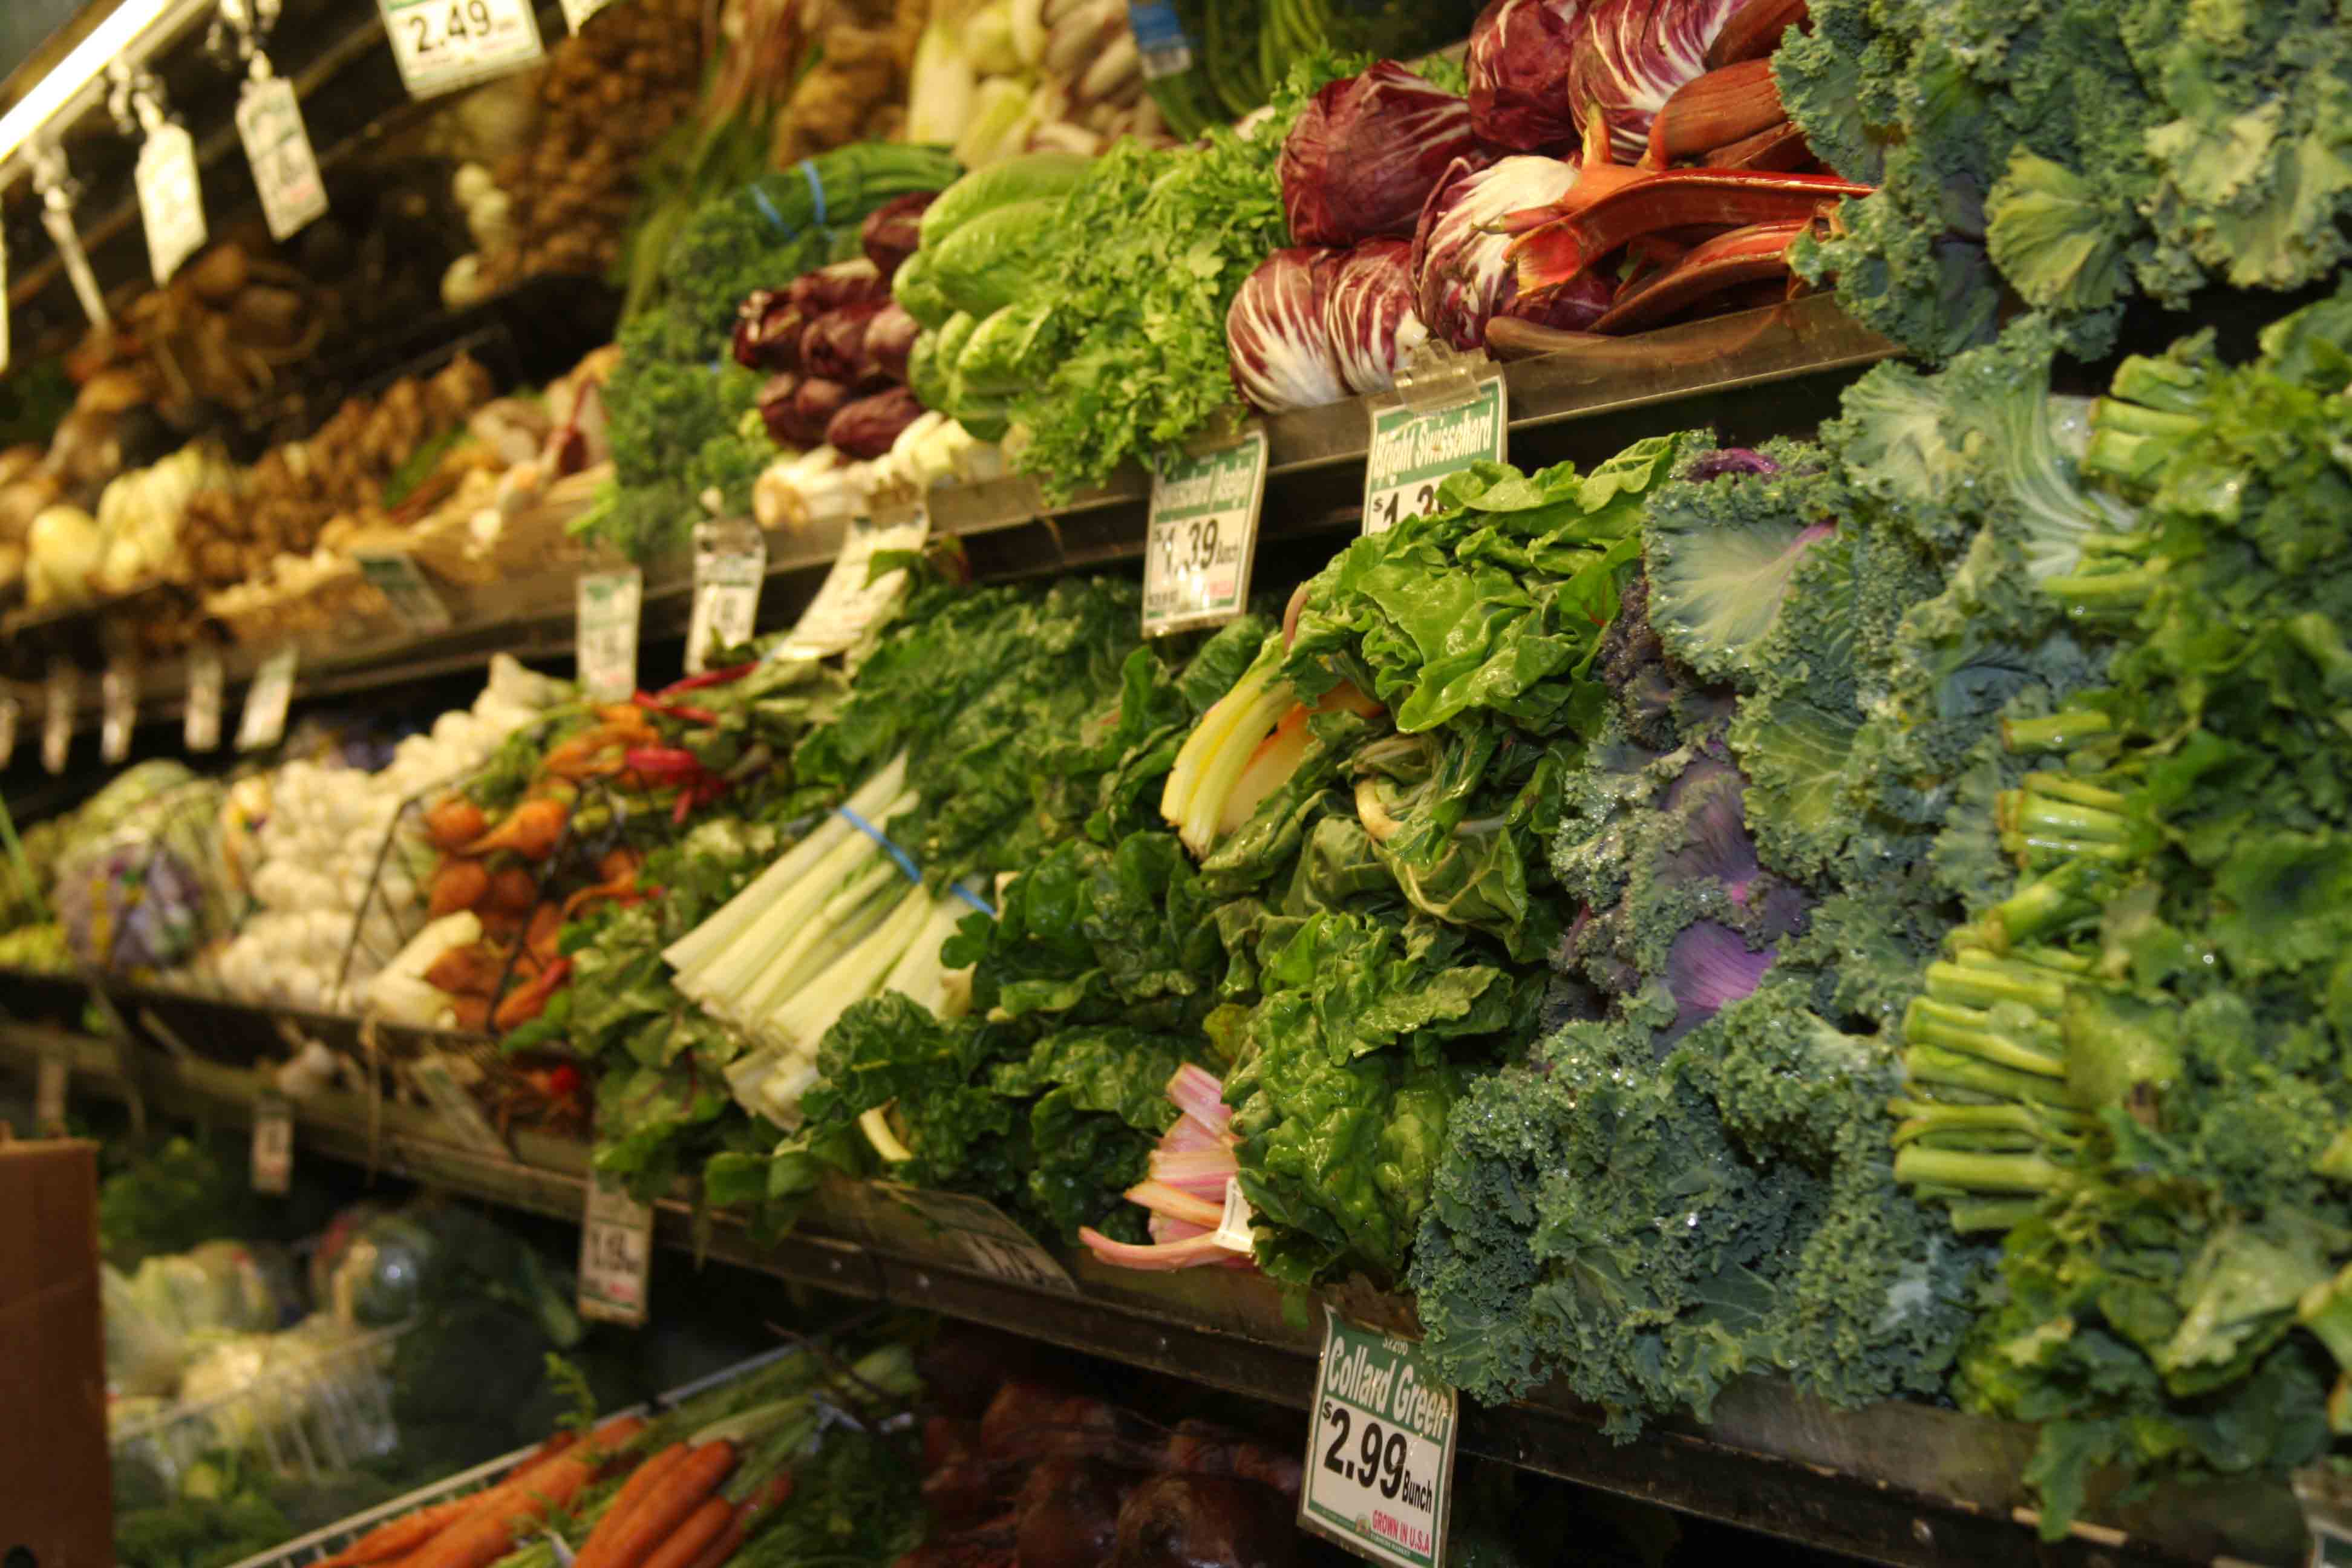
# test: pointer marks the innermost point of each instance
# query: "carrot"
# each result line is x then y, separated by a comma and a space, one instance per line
624, 1501
747, 1513
666, 1506
398, 1537
452, 820
487, 1532
687, 1542
529, 830
457, 884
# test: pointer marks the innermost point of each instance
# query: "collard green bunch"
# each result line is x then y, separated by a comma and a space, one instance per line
2080, 154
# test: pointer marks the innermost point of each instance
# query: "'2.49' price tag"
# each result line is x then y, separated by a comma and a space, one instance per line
441, 45
616, 1251
1412, 451
1202, 536
1380, 1453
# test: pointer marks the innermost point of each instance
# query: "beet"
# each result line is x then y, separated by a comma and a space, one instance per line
966, 1490
1068, 1512
866, 428
797, 408
768, 329
834, 345
1020, 1403
856, 282
889, 338
893, 231
1203, 1448
1183, 1520
947, 1439
776, 396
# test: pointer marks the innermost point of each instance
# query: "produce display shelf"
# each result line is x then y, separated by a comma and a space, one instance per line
1774, 371
342, 65
1895, 1483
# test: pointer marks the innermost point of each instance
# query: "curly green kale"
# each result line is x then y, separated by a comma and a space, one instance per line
2081, 153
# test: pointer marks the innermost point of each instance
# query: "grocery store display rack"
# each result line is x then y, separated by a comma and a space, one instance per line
1893, 1483
1765, 372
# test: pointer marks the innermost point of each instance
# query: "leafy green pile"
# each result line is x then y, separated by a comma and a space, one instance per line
1141, 264
2132, 1058
1385, 907
1693, 1178
682, 414
2080, 152
1089, 989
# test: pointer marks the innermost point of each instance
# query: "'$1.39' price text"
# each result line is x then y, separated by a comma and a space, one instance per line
1191, 547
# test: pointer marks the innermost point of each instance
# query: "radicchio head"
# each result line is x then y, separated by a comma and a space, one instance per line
1368, 312
1518, 65
1462, 273
1361, 156
1631, 56
1282, 353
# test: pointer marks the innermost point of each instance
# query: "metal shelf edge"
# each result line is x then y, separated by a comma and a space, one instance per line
1861, 1482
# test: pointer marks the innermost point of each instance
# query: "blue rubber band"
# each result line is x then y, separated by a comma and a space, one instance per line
775, 218
816, 188
906, 862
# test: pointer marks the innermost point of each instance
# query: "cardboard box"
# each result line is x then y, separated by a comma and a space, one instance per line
56, 1493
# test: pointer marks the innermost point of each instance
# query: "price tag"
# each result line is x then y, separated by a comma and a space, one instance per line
851, 599
49, 1097
1232, 1231
1380, 1452
443, 45
57, 716
1412, 451
118, 692
263, 721
1202, 536
617, 1253
988, 1239
395, 574
201, 729
606, 645
10, 710
273, 1145
285, 170
577, 12
171, 202
727, 579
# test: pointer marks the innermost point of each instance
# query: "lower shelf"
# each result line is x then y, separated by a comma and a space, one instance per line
1893, 1483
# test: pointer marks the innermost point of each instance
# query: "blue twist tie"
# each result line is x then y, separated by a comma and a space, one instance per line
775, 218
906, 862
816, 188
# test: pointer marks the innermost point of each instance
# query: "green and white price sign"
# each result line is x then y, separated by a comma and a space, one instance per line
1413, 450
605, 644
1380, 1452
1202, 536
443, 45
